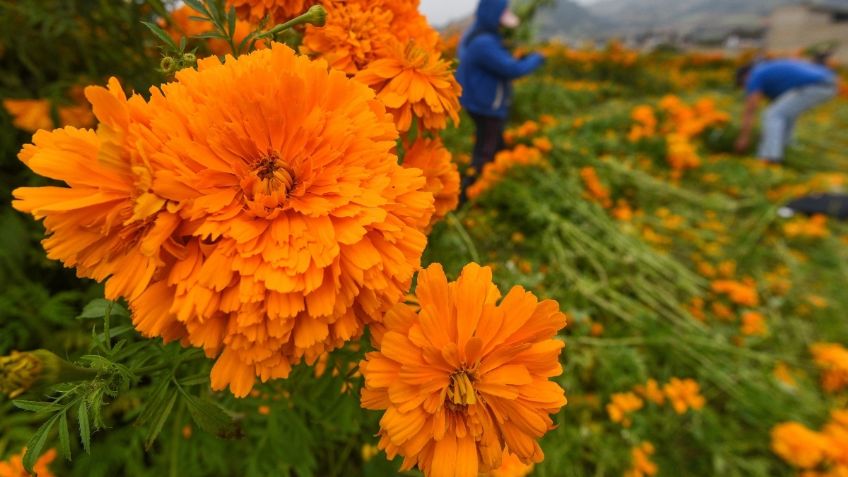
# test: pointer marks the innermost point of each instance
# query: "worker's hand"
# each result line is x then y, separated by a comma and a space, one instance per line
742, 144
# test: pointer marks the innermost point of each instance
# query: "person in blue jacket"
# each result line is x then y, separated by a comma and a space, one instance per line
486, 71
793, 87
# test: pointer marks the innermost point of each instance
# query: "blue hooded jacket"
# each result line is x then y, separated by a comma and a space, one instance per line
486, 68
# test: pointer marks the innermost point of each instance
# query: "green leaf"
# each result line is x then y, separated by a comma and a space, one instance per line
231, 21
211, 418
64, 436
159, 419
97, 309
161, 34
210, 34
84, 427
36, 443
36, 406
197, 6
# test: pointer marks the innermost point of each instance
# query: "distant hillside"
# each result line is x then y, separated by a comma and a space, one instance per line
567, 18
641, 15
612, 17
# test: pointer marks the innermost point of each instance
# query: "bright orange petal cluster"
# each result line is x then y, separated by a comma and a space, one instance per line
278, 11
31, 115
739, 292
254, 209
595, 189
832, 359
442, 174
621, 405
641, 465
14, 467
511, 466
466, 377
414, 82
494, 172
684, 394
820, 454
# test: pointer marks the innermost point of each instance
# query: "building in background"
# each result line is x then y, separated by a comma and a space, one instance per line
793, 28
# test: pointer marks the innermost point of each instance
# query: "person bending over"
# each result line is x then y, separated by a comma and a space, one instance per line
793, 86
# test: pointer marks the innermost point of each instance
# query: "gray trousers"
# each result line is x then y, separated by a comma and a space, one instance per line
779, 118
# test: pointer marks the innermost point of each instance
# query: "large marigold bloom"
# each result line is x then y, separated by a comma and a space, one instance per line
414, 82
296, 225
442, 174
465, 377
306, 226
356, 33
107, 223
278, 10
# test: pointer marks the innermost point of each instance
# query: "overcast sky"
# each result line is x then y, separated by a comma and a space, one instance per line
441, 11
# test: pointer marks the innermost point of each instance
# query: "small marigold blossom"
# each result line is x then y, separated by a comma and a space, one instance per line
14, 467
466, 377
798, 445
684, 394
414, 82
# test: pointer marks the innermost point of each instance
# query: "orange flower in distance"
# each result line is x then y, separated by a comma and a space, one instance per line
184, 26
431, 156
742, 293
356, 33
798, 445
273, 229
29, 114
684, 394
621, 405
14, 467
107, 223
832, 359
278, 10
495, 171
414, 82
466, 377
641, 464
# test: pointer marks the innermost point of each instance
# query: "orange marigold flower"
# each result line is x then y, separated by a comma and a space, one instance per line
798, 445
431, 156
832, 359
595, 190
356, 33
14, 467
495, 171
754, 323
783, 373
651, 391
742, 293
621, 405
466, 377
414, 82
29, 114
278, 10
641, 465
262, 229
684, 394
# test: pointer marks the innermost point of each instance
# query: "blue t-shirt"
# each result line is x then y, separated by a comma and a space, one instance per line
773, 78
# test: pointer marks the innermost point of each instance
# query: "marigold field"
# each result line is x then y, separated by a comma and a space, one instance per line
232, 246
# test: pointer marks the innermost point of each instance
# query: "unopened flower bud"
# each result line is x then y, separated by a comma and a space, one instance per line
316, 15
21, 371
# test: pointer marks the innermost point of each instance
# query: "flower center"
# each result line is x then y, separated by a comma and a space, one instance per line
274, 174
461, 391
